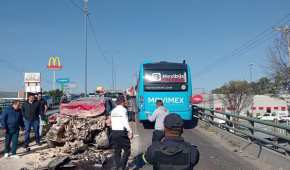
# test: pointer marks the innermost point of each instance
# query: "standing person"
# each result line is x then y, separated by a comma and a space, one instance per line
12, 119
172, 152
121, 134
42, 109
158, 116
132, 108
100, 91
30, 110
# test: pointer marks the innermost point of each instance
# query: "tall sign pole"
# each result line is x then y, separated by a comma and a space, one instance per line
54, 65
53, 80
86, 13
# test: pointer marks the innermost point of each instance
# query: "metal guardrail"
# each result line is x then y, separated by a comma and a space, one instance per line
21, 135
3, 105
249, 130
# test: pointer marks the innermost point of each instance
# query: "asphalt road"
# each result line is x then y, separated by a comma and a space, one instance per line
213, 156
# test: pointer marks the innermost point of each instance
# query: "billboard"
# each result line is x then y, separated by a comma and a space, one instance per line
32, 82
31, 77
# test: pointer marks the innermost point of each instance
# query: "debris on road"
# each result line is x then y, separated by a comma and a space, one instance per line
79, 134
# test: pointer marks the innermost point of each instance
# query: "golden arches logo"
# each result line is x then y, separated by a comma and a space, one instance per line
54, 63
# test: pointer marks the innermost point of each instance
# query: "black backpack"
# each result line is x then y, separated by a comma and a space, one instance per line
175, 156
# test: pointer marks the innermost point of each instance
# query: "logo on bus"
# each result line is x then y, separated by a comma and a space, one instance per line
168, 77
169, 100
156, 76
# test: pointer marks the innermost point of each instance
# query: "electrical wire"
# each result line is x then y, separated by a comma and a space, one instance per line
258, 40
96, 41
91, 26
76, 5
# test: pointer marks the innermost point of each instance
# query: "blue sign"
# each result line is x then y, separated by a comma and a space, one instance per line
62, 80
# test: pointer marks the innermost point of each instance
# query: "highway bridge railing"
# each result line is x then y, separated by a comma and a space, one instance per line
5, 104
53, 105
249, 128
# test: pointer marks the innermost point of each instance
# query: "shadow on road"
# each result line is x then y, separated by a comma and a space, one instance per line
190, 124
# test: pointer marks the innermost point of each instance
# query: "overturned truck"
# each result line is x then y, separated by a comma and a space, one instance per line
80, 132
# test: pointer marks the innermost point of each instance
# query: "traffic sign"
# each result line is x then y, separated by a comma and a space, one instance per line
62, 80
196, 99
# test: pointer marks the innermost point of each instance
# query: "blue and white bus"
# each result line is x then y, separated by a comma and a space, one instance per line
170, 82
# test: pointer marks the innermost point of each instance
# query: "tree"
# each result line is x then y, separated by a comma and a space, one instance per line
279, 69
263, 86
236, 96
55, 94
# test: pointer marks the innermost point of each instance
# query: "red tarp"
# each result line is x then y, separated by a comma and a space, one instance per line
87, 107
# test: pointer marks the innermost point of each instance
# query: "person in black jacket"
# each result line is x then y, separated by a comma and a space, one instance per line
31, 111
43, 109
12, 120
172, 152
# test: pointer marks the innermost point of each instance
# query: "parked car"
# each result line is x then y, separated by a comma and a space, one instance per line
270, 117
113, 95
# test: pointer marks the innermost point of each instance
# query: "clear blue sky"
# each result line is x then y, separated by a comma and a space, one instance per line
199, 31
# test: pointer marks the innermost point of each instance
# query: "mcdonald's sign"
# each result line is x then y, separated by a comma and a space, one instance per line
54, 63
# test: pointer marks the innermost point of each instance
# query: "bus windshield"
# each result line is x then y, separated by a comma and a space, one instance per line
165, 80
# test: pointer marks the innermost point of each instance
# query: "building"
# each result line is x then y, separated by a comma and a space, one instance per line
260, 105
266, 104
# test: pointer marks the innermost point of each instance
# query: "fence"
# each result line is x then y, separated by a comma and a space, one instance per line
53, 103
5, 104
250, 128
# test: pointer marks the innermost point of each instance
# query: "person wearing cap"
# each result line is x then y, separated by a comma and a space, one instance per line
172, 152
100, 91
121, 134
158, 116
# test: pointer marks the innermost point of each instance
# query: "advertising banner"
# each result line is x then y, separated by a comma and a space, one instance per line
176, 76
31, 77
32, 82
165, 80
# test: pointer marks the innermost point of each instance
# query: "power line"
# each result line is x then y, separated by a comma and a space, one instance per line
11, 66
267, 30
239, 53
245, 47
97, 42
73, 3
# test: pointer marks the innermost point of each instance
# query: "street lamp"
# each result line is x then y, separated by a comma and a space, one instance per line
86, 12
251, 65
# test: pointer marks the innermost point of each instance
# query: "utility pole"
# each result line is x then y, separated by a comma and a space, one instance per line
113, 74
251, 65
86, 13
285, 30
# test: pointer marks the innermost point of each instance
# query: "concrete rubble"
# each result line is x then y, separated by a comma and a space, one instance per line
77, 138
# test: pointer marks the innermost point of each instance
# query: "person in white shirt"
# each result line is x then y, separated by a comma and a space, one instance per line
158, 116
121, 134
